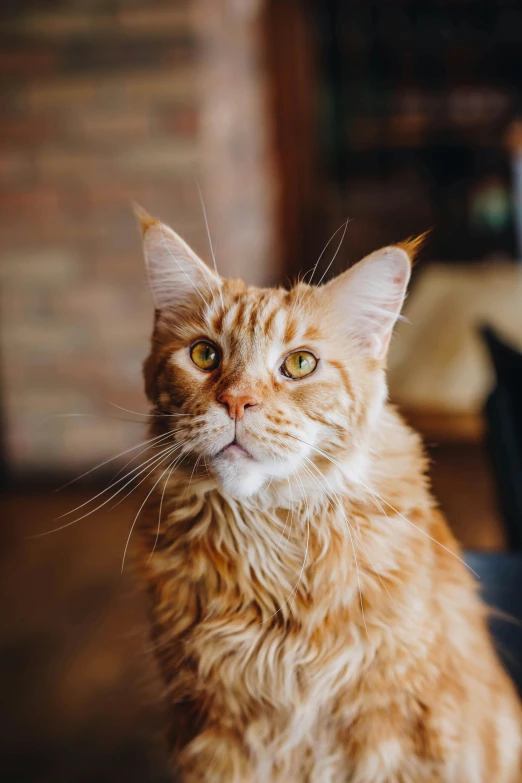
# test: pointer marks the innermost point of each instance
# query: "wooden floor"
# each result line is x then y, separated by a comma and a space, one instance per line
79, 692
463, 485
81, 702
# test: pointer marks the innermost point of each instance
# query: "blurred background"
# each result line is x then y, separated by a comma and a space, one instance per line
291, 116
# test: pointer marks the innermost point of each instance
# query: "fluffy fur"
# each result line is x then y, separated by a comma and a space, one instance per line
310, 611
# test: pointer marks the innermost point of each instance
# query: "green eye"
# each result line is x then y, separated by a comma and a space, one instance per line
299, 364
205, 356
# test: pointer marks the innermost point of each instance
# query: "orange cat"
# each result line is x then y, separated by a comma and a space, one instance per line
311, 614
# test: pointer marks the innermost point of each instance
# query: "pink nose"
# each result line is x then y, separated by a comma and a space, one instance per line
237, 404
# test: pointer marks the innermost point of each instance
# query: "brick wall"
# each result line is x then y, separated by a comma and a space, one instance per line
102, 103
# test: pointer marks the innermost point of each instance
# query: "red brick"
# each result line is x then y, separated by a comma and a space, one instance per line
107, 194
74, 150
31, 63
59, 164
61, 93
99, 127
156, 18
135, 89
26, 131
162, 158
165, 84
30, 268
28, 202
182, 120
16, 167
58, 24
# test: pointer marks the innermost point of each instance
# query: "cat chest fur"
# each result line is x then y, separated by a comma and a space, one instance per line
252, 620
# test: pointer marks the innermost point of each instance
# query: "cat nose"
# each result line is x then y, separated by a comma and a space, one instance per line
237, 404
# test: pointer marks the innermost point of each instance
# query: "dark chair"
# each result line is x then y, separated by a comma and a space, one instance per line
503, 417
501, 587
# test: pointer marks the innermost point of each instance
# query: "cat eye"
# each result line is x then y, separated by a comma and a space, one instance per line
205, 356
298, 364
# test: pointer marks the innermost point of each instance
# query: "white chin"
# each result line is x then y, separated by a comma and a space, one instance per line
238, 478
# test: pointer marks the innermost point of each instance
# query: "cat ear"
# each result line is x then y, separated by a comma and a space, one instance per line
177, 276
368, 297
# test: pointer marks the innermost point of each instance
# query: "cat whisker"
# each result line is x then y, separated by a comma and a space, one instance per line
209, 239
150, 415
349, 528
325, 248
193, 471
92, 511
335, 254
377, 574
132, 489
307, 537
85, 415
336, 497
147, 448
420, 530
150, 470
299, 304
149, 465
111, 459
153, 458
299, 297
375, 495
290, 511
139, 512
296, 587
290, 515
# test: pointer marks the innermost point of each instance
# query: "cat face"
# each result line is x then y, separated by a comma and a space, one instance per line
256, 383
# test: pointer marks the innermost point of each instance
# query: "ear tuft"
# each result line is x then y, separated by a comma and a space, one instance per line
414, 244
145, 220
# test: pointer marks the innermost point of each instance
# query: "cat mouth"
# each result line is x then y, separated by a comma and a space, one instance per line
236, 450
